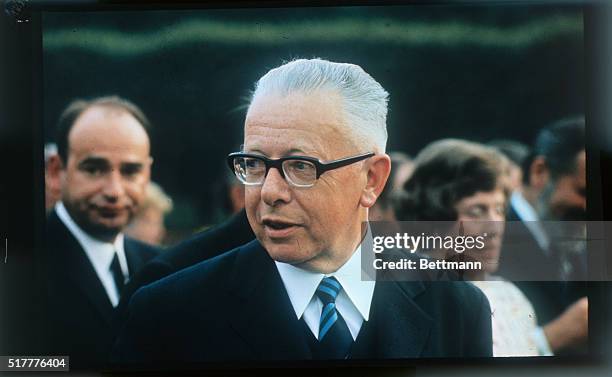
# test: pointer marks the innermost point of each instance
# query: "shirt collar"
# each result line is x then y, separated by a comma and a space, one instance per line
523, 209
530, 219
302, 284
100, 253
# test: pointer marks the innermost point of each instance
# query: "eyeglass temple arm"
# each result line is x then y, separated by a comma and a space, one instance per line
323, 167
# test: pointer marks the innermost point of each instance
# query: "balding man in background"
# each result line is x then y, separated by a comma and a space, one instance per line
102, 168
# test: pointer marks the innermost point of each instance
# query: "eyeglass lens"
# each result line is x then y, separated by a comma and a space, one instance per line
251, 170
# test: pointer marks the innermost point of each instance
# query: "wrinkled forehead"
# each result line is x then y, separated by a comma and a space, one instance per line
312, 123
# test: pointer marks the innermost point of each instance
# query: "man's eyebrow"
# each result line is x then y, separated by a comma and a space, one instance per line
132, 165
296, 150
94, 161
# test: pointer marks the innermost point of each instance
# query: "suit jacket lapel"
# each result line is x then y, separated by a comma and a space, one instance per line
397, 327
73, 263
264, 316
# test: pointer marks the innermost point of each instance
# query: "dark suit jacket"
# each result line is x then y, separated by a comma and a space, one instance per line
205, 245
234, 307
78, 310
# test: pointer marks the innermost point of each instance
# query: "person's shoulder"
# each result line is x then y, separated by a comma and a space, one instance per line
466, 290
461, 293
209, 243
469, 292
54, 227
52, 219
60, 243
145, 250
214, 272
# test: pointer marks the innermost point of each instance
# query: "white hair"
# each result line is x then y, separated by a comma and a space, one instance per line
364, 99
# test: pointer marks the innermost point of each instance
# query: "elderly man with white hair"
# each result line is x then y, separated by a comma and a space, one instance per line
313, 163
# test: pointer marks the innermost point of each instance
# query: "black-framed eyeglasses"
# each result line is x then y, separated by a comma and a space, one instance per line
300, 171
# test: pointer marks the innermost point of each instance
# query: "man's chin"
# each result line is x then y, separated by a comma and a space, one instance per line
285, 253
105, 230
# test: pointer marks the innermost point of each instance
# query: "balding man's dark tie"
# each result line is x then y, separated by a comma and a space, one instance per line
335, 339
118, 277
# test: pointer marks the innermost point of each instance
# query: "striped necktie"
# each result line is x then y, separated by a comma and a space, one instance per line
335, 339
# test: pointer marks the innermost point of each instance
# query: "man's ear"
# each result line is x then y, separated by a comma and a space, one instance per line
53, 172
378, 172
538, 174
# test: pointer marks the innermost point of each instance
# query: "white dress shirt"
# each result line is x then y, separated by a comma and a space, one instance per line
529, 217
353, 301
100, 253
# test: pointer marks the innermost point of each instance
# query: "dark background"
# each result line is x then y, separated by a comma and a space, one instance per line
475, 72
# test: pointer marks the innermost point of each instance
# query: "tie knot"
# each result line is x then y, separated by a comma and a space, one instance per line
328, 290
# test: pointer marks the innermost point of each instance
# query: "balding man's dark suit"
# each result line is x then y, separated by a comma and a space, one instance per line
234, 307
78, 313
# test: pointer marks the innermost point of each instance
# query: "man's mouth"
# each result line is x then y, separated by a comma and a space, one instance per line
278, 228
109, 212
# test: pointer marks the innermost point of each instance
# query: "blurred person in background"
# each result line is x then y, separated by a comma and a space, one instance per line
552, 205
102, 167
148, 224
560, 150
466, 182
401, 168
560, 164
554, 189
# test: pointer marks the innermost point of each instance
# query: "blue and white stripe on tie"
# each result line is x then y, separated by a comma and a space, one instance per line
327, 292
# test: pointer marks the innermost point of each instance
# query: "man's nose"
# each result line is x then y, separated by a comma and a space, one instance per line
113, 185
275, 189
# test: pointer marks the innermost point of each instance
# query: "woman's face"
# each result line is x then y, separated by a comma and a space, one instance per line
483, 214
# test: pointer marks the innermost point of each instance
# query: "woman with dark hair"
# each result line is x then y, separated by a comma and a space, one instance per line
466, 183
